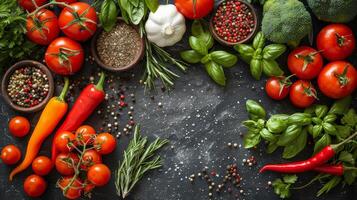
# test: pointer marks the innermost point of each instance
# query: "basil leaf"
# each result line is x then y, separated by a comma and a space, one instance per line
316, 131
252, 126
316, 120
271, 68
198, 45
321, 111
277, 123
301, 119
256, 68
266, 135
310, 110
245, 52
322, 142
259, 40
206, 59
289, 135
297, 146
255, 110
223, 58
329, 128
330, 118
309, 128
273, 51
200, 31
216, 72
251, 140
108, 14
343, 131
152, 4
346, 157
191, 56
272, 147
341, 106
136, 14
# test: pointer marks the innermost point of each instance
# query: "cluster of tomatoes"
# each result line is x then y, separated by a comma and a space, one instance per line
336, 80
80, 160
78, 22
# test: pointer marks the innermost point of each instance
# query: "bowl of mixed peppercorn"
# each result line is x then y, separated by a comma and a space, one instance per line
233, 22
27, 86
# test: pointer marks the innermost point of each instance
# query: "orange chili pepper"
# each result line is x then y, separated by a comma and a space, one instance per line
55, 109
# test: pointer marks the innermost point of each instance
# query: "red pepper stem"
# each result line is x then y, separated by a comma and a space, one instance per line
100, 83
336, 146
64, 90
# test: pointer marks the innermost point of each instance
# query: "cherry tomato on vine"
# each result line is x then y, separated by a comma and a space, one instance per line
28, 4
90, 157
336, 42
64, 56
105, 143
19, 126
10, 154
34, 185
64, 163
302, 94
74, 190
305, 62
43, 27
278, 87
63, 140
86, 134
201, 9
338, 79
66, 1
99, 174
42, 165
78, 22
88, 187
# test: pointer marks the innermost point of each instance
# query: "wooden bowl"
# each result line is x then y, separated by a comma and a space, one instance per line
19, 65
135, 61
226, 43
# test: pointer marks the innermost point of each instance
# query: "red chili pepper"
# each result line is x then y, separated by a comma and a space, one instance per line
85, 104
306, 165
336, 170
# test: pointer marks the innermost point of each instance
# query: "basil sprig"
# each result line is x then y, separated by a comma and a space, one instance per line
108, 14
261, 58
201, 41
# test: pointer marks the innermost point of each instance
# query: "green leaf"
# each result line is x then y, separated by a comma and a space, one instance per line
310, 110
350, 176
223, 58
198, 45
108, 14
201, 31
329, 128
245, 52
277, 123
255, 110
273, 51
281, 189
343, 131
256, 68
321, 143
251, 139
341, 106
330, 118
152, 4
291, 179
136, 14
216, 72
259, 40
347, 157
271, 68
296, 146
329, 185
321, 111
316, 131
316, 120
268, 136
350, 118
191, 56
272, 147
290, 134
301, 119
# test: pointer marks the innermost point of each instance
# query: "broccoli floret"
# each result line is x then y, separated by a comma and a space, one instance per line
337, 11
286, 21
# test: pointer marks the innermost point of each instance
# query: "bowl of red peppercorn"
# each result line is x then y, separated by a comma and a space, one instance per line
233, 22
27, 86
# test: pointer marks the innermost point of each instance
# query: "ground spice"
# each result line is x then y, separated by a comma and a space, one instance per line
233, 21
119, 47
28, 86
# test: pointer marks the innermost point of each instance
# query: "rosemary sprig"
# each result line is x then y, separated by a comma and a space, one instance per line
138, 159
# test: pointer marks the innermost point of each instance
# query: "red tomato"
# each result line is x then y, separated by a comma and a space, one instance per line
66, 1
62, 141
43, 28
35, 185
88, 187
64, 56
10, 154
337, 79
81, 25
277, 87
74, 191
64, 164
336, 41
202, 8
305, 62
99, 174
42, 165
105, 143
19, 126
302, 94
28, 5
85, 134
90, 157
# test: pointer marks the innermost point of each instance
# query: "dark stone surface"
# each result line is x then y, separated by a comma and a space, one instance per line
199, 118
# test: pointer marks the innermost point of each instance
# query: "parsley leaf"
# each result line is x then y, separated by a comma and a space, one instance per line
282, 186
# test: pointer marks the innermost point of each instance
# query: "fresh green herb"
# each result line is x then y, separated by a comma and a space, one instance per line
261, 58
138, 159
282, 186
108, 14
201, 42
13, 42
